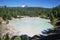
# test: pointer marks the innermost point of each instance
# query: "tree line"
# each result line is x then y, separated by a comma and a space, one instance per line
9, 12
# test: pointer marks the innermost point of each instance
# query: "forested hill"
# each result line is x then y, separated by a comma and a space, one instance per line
9, 12
6, 12
32, 11
28, 8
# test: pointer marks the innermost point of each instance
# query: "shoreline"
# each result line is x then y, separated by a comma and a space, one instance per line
26, 17
23, 17
26, 22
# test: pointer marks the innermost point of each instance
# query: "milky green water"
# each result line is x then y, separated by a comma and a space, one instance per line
31, 25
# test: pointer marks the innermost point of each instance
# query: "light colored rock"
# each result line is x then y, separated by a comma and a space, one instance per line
1, 20
7, 29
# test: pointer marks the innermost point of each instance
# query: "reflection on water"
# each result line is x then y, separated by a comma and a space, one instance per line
31, 25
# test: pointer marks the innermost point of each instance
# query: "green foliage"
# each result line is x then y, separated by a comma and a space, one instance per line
9, 12
25, 37
17, 38
5, 37
55, 13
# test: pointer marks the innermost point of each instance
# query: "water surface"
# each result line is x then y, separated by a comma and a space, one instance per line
31, 25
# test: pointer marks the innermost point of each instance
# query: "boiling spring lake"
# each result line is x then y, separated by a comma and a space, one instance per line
31, 25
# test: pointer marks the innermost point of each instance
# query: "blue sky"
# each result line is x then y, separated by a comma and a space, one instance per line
36, 3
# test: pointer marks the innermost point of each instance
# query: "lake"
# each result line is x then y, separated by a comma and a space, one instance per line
31, 25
